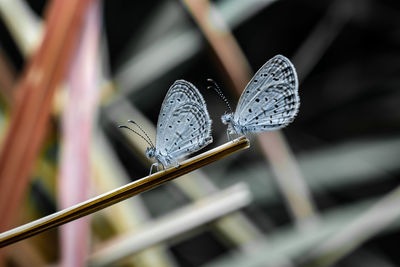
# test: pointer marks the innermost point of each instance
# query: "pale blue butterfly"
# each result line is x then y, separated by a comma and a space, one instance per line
270, 100
183, 127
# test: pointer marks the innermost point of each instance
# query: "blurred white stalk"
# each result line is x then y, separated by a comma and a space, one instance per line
338, 233
291, 243
173, 224
376, 219
139, 68
289, 178
24, 25
327, 168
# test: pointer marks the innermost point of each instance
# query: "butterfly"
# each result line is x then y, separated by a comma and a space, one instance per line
183, 127
270, 100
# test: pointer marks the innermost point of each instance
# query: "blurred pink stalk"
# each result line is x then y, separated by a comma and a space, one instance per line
78, 119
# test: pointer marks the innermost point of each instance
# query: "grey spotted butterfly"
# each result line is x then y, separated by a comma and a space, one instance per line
183, 127
270, 100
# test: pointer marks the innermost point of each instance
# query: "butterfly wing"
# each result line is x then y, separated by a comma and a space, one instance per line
270, 100
184, 125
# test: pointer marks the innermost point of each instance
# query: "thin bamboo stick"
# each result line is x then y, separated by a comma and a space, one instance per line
121, 193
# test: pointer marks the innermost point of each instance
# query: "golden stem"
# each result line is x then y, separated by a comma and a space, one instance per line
121, 193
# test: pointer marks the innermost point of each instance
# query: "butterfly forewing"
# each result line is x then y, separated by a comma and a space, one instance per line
184, 125
270, 100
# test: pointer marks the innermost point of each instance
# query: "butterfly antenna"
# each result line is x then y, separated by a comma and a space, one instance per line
148, 138
126, 127
219, 92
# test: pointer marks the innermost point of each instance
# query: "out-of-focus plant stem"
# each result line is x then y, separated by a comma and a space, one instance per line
376, 219
24, 25
74, 181
33, 104
179, 221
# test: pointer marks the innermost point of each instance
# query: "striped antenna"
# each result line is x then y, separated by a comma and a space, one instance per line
126, 127
219, 92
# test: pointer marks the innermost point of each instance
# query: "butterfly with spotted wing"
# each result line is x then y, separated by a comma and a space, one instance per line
183, 127
270, 100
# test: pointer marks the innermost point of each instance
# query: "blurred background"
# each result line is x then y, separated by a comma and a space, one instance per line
321, 192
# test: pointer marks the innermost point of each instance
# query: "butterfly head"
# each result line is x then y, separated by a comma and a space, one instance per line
233, 126
150, 152
165, 160
227, 118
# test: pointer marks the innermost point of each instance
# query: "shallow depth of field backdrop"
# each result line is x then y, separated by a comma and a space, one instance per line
324, 191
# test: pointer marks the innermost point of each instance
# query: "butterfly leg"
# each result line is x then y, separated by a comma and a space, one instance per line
151, 167
228, 135
177, 164
163, 167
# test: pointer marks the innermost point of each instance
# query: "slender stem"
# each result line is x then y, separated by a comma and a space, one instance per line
121, 193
